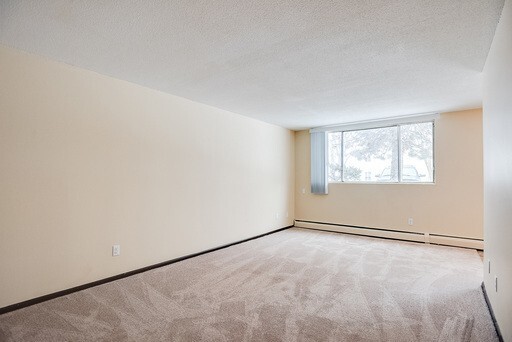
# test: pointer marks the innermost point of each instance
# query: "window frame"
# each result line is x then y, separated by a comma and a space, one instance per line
399, 143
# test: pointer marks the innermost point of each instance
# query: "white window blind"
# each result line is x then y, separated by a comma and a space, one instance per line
319, 181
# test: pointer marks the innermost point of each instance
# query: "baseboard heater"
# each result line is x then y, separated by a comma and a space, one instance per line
437, 239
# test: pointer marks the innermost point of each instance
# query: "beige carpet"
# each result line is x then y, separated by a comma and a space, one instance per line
295, 285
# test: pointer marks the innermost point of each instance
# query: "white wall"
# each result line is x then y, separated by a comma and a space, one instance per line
87, 161
497, 120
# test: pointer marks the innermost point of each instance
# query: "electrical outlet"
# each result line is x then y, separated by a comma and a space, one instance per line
410, 221
116, 250
303, 190
277, 216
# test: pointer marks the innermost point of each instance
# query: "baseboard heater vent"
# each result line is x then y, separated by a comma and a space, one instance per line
394, 234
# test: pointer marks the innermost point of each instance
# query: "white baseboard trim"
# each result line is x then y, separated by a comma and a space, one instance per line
457, 242
394, 234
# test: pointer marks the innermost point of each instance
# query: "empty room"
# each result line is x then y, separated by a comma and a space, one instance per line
255, 170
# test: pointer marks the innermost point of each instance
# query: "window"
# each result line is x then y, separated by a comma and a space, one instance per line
400, 153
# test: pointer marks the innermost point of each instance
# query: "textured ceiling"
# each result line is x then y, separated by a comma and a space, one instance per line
297, 64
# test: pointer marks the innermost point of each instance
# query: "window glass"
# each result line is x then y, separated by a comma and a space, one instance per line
417, 152
400, 153
370, 155
334, 148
